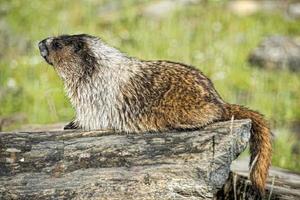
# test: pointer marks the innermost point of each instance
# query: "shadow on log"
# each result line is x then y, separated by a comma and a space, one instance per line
104, 165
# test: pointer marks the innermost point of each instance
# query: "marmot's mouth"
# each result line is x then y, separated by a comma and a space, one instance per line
44, 51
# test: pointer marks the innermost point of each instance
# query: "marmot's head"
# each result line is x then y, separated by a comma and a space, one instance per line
79, 55
70, 54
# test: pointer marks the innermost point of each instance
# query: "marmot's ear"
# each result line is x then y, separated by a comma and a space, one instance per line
78, 46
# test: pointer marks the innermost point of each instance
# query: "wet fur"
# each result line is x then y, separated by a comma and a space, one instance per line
110, 90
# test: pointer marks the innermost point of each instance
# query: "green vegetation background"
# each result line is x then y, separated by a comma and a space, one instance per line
207, 36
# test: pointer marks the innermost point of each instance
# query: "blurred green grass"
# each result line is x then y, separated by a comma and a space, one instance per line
207, 36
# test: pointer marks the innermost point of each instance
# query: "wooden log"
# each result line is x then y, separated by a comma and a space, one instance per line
105, 165
281, 184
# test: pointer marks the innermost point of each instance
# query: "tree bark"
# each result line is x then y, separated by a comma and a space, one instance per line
106, 165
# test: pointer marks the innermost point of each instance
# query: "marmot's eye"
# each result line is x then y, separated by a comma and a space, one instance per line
78, 46
56, 45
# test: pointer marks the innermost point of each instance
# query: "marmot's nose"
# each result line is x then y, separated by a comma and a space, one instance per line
43, 48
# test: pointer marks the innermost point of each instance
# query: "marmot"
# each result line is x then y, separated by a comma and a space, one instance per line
110, 90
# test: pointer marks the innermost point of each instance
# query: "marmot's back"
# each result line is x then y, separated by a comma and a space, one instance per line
165, 95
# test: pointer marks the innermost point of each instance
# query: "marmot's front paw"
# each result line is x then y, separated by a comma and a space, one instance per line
71, 125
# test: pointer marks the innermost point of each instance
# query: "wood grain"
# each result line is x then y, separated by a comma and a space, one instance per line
106, 165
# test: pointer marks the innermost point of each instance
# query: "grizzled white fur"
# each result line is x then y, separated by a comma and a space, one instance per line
98, 98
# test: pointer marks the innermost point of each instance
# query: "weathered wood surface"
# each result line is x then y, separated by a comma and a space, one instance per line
104, 165
281, 184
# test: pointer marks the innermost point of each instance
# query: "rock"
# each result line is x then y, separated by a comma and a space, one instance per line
293, 11
243, 8
161, 9
277, 52
249, 7
6, 121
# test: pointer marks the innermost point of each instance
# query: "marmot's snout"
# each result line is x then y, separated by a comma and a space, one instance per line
44, 49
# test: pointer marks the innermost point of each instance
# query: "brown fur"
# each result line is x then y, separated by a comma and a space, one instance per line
168, 95
113, 91
260, 143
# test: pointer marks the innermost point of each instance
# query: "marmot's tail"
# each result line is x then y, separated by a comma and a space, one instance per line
260, 144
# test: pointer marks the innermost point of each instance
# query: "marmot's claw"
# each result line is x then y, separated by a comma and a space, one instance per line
71, 125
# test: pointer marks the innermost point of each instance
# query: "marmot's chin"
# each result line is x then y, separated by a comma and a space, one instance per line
47, 60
